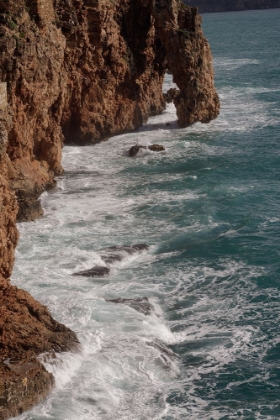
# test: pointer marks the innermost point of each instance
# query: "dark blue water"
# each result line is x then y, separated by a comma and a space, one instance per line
209, 207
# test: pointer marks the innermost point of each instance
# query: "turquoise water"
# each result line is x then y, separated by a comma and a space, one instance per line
209, 209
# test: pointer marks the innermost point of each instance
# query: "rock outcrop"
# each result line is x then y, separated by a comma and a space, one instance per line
8, 202
26, 330
133, 151
26, 327
111, 255
77, 71
205, 6
189, 59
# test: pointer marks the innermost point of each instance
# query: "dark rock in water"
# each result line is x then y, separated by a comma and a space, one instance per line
156, 147
141, 305
96, 271
117, 253
110, 259
129, 249
135, 149
109, 256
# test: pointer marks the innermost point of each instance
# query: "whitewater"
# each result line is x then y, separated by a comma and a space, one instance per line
209, 209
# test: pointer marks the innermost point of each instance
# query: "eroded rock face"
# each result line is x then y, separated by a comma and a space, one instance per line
8, 202
79, 71
189, 59
26, 330
32, 66
26, 327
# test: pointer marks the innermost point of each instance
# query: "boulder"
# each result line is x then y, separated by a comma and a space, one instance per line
135, 149
156, 147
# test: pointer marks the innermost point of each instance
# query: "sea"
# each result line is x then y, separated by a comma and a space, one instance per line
208, 207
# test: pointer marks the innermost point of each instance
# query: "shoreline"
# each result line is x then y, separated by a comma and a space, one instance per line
77, 72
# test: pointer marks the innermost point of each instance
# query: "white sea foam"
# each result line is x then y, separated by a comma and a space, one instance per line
229, 64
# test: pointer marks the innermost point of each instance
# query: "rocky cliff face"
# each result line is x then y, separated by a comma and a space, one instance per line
82, 70
77, 71
26, 327
26, 330
232, 5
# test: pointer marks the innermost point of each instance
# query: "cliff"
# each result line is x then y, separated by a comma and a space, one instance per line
77, 71
82, 70
232, 5
26, 327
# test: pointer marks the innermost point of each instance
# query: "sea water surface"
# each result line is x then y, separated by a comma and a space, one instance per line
209, 208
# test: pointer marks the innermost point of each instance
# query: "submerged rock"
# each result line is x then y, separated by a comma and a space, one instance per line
153, 147
141, 305
110, 255
135, 149
129, 249
119, 252
96, 271
110, 259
